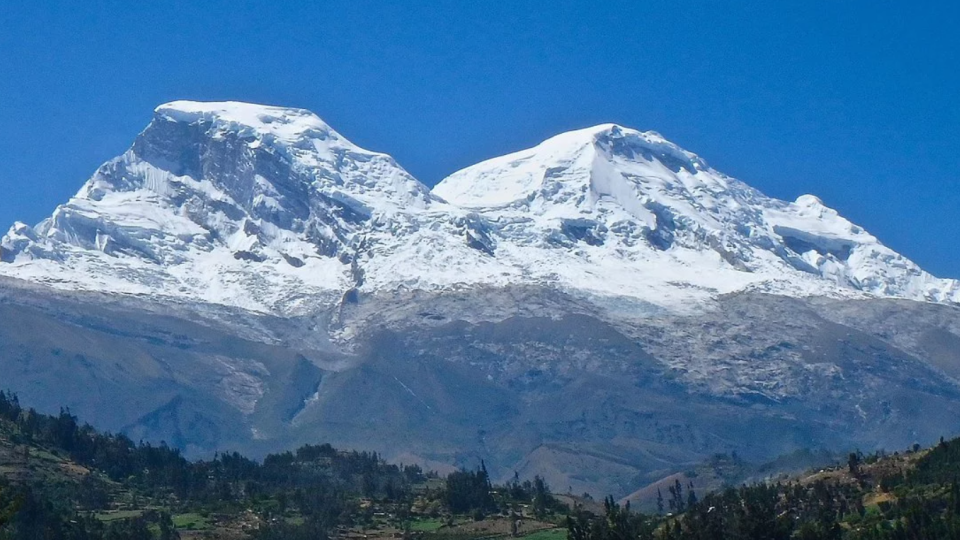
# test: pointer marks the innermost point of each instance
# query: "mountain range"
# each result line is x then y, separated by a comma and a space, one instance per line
602, 309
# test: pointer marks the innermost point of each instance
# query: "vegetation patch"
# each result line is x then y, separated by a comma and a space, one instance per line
107, 517
547, 534
191, 521
61, 479
426, 525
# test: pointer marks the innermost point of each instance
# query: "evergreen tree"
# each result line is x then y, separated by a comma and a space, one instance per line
853, 464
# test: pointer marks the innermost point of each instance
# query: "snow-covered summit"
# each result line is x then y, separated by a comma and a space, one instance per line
301, 137
269, 208
554, 170
229, 202
285, 123
653, 219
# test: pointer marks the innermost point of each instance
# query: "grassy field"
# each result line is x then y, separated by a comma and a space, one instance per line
191, 522
118, 514
548, 534
426, 525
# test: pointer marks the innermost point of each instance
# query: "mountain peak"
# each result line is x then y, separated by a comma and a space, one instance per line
227, 108
575, 167
624, 142
630, 195
226, 202
287, 125
269, 144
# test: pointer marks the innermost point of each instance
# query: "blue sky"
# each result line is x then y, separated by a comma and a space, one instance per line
857, 102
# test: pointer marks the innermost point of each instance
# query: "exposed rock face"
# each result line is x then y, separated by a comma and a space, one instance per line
600, 309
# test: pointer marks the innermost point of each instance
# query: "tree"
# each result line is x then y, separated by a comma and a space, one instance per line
676, 502
691, 497
468, 491
93, 493
853, 464
542, 500
167, 529
8, 506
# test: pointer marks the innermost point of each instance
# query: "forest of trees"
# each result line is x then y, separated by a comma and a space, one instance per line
919, 503
325, 486
875, 497
320, 481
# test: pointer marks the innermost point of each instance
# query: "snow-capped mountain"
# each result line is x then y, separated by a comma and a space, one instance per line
258, 207
244, 277
270, 209
637, 215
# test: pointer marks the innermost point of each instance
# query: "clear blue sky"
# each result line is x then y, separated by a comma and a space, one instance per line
857, 102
